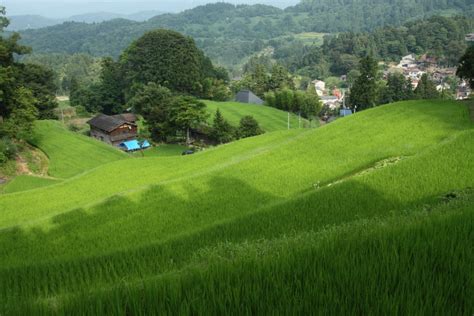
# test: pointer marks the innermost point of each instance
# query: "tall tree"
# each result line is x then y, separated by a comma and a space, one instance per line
41, 81
222, 131
167, 58
426, 89
187, 113
363, 94
396, 89
17, 104
466, 66
112, 87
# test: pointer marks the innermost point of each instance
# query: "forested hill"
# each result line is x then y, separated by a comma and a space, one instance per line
228, 33
365, 15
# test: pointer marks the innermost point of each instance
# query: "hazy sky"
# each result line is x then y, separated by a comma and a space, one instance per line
66, 8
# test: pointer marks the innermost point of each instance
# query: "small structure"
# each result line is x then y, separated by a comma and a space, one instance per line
247, 96
320, 87
115, 129
470, 37
134, 145
345, 112
331, 101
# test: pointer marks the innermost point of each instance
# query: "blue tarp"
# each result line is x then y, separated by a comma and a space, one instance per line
345, 112
132, 145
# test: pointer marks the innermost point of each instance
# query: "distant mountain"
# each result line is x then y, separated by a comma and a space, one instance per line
106, 16
25, 22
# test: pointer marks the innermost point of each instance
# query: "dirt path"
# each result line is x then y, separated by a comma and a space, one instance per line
22, 166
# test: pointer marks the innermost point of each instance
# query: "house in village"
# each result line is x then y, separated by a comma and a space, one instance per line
247, 96
463, 92
408, 61
115, 129
320, 87
470, 37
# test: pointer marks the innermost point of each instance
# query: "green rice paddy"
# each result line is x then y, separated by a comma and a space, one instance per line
270, 119
371, 214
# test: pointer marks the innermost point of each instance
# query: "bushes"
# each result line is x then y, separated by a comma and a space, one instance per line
8, 150
306, 104
222, 132
248, 127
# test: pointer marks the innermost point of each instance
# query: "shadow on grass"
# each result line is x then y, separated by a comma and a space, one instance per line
123, 239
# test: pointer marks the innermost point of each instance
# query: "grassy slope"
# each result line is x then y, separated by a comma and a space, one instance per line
270, 119
24, 182
70, 153
261, 188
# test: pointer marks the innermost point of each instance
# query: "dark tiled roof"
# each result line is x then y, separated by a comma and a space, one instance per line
106, 123
127, 117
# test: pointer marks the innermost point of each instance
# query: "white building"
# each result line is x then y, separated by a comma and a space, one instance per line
320, 87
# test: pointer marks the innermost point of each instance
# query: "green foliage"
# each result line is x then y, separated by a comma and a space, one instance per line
248, 127
340, 53
186, 113
229, 34
20, 120
305, 103
70, 70
329, 16
222, 131
364, 92
8, 150
466, 66
215, 89
396, 89
166, 58
426, 89
40, 81
166, 114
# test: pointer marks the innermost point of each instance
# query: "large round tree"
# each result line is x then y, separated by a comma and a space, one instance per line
167, 58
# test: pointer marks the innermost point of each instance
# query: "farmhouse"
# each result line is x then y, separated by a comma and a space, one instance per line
246, 96
115, 129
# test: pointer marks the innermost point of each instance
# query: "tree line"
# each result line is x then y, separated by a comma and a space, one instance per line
26, 93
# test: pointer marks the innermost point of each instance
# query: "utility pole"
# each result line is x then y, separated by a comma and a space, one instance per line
288, 120
299, 119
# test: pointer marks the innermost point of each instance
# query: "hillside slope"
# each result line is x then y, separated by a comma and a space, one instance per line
352, 217
70, 153
229, 33
270, 119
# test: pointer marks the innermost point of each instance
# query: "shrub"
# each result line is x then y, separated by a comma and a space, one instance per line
8, 149
248, 127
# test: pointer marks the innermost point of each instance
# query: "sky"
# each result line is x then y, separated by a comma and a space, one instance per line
66, 8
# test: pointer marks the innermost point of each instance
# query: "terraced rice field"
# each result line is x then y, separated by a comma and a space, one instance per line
370, 214
270, 119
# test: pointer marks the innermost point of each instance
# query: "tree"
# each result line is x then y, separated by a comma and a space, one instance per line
187, 113
17, 103
222, 131
20, 122
426, 89
41, 82
280, 78
153, 103
466, 66
166, 58
112, 86
248, 127
363, 94
396, 89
